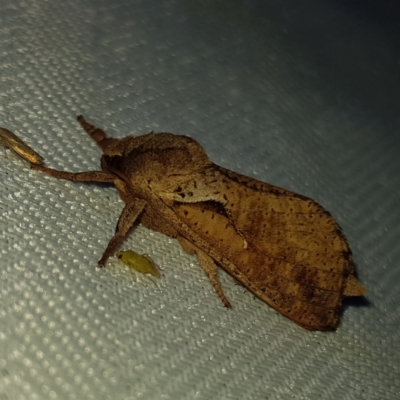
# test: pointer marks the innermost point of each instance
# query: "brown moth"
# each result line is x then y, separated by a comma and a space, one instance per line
284, 247
14, 143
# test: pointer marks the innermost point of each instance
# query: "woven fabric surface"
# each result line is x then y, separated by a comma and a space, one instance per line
301, 95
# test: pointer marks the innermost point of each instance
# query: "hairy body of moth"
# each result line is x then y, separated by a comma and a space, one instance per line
284, 247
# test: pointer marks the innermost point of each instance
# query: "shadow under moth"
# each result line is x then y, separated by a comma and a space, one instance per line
284, 247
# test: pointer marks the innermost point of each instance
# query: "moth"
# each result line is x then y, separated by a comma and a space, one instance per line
284, 247
19, 147
139, 262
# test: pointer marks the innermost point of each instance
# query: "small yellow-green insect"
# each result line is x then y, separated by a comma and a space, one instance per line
14, 143
139, 262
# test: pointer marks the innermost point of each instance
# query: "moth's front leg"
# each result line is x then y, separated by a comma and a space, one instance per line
209, 267
129, 215
88, 176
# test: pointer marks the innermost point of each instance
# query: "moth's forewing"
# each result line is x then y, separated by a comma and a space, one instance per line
297, 259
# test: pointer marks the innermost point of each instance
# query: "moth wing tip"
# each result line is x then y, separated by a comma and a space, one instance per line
353, 287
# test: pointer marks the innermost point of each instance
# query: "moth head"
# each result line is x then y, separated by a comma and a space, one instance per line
156, 155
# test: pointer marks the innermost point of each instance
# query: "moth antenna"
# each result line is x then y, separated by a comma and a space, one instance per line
97, 134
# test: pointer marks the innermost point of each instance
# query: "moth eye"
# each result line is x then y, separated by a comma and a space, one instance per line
119, 256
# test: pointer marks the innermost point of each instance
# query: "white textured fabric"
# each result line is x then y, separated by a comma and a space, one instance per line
304, 95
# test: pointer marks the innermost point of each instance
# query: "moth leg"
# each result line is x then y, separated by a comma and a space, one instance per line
209, 267
96, 134
89, 176
126, 220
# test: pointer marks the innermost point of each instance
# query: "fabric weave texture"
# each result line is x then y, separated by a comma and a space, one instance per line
301, 95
